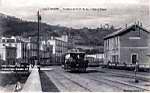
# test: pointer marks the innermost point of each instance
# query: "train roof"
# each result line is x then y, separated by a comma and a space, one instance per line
74, 53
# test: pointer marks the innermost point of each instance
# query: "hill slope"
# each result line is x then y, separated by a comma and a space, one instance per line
14, 26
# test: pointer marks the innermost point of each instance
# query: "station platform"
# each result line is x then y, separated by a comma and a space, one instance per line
33, 83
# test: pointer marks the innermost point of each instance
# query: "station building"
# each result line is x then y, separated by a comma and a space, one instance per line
128, 45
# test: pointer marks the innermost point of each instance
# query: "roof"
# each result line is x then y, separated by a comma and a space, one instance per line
76, 52
124, 30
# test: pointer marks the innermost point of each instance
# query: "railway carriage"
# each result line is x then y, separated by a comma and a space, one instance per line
75, 61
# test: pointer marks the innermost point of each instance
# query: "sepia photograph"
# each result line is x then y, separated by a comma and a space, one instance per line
74, 46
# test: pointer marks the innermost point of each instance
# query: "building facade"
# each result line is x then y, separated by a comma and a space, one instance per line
45, 53
59, 48
128, 45
19, 49
11, 49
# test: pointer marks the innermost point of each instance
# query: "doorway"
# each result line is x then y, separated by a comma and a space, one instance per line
134, 58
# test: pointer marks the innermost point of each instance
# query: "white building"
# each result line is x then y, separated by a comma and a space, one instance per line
25, 50
9, 42
11, 49
60, 46
45, 53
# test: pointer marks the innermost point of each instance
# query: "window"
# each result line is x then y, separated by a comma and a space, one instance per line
10, 40
9, 44
115, 58
134, 38
114, 43
117, 40
108, 44
105, 45
8, 54
3, 40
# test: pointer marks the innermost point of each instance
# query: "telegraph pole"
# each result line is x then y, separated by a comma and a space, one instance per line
38, 37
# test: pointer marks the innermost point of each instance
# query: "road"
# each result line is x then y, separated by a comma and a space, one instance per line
96, 80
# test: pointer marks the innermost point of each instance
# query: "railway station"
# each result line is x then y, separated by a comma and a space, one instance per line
72, 49
74, 74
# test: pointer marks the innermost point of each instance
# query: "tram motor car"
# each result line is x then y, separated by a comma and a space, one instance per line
75, 61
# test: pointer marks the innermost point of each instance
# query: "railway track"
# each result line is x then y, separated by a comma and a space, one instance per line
117, 84
118, 74
100, 79
126, 84
122, 86
74, 83
114, 83
85, 86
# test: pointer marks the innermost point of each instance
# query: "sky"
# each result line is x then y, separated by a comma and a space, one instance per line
118, 12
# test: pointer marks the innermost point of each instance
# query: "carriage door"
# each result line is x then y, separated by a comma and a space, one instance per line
134, 58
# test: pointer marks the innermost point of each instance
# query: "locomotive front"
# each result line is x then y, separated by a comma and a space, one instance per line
75, 61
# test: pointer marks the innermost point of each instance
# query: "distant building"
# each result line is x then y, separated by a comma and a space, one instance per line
128, 45
8, 54
11, 49
19, 49
60, 46
45, 53
31, 51
95, 59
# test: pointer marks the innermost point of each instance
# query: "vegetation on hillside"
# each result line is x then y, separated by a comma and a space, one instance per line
85, 36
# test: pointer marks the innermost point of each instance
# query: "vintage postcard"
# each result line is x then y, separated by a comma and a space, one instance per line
74, 45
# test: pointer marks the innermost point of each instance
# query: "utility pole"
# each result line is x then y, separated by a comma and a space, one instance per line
38, 38
135, 72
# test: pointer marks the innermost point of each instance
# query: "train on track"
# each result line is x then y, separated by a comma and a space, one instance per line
75, 61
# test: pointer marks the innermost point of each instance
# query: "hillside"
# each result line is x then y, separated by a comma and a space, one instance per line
14, 26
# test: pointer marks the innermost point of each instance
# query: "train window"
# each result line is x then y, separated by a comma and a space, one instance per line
3, 40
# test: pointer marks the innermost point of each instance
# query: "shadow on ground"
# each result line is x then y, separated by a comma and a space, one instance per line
47, 84
88, 71
12, 78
